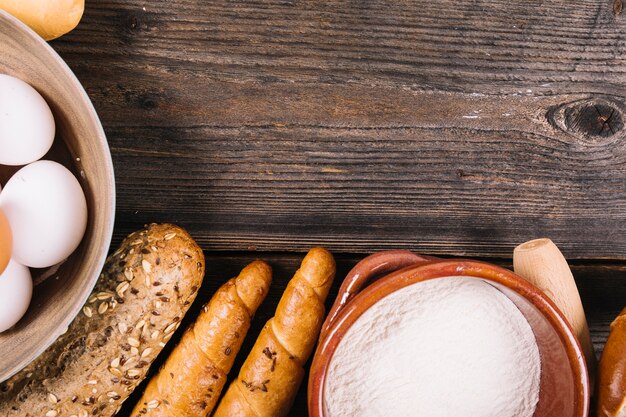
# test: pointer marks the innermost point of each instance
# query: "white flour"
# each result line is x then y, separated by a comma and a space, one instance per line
450, 347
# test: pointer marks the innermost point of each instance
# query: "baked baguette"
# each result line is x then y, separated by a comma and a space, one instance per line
271, 375
612, 372
49, 18
190, 382
146, 287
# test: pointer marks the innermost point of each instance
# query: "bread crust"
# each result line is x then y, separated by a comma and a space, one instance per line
50, 19
271, 375
145, 289
190, 382
612, 371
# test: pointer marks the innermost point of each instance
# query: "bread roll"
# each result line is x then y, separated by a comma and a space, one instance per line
145, 289
271, 375
49, 18
190, 382
612, 372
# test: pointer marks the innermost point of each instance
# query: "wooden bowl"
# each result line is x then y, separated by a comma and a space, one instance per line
80, 145
564, 383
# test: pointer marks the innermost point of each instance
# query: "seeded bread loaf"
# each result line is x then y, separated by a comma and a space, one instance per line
146, 287
190, 382
271, 375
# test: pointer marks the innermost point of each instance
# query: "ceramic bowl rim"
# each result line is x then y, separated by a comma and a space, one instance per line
436, 270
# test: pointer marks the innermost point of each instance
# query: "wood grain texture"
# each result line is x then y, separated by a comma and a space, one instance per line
444, 127
601, 286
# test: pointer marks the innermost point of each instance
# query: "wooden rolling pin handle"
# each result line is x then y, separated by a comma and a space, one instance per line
541, 263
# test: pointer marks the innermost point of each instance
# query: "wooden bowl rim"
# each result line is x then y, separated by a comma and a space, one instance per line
442, 269
92, 272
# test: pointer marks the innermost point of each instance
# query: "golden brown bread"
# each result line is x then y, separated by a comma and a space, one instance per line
49, 18
612, 372
6, 242
190, 382
145, 288
271, 375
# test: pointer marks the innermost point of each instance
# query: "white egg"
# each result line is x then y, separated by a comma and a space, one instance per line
47, 212
16, 290
26, 123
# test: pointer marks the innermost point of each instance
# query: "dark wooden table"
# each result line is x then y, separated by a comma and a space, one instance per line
455, 128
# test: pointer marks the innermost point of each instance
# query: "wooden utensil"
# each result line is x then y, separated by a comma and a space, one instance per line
541, 262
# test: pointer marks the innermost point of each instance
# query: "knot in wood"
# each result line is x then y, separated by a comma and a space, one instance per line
148, 101
592, 119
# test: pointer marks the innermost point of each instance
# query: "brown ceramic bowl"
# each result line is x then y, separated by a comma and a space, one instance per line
81, 146
564, 385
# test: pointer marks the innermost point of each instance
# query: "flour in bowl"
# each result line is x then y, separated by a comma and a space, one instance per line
448, 347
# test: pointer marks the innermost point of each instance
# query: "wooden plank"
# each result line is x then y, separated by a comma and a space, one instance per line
492, 45
444, 127
602, 287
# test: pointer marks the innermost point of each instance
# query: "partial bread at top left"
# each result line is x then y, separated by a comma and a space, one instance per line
49, 18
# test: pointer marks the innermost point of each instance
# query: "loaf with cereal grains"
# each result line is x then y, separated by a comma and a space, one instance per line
145, 288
